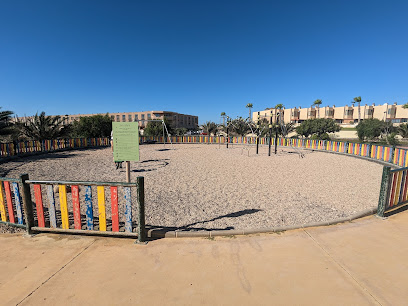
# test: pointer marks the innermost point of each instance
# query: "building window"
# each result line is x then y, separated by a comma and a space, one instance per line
112, 118
348, 112
369, 112
136, 117
149, 116
117, 118
123, 118
143, 116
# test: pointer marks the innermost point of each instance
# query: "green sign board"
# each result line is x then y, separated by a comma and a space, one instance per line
125, 141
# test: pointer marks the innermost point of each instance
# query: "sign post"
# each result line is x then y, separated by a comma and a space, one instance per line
126, 143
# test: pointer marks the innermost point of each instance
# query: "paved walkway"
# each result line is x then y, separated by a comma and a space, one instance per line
358, 263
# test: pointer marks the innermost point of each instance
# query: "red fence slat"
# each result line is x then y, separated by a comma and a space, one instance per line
115, 213
39, 205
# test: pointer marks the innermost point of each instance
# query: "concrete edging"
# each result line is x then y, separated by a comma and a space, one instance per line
234, 232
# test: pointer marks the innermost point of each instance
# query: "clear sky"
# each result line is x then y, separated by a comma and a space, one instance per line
199, 57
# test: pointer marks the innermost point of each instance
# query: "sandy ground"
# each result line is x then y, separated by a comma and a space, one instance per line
211, 187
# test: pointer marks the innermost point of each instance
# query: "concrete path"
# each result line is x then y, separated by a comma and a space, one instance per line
359, 263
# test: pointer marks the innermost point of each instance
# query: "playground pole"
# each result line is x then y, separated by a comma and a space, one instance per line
257, 144
127, 171
276, 139
276, 132
270, 135
227, 135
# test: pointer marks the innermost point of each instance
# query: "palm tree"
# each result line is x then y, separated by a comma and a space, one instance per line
240, 126
42, 127
223, 115
5, 126
280, 107
249, 106
405, 105
210, 127
403, 130
318, 102
358, 100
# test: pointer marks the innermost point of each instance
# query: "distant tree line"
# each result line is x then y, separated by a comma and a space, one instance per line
42, 127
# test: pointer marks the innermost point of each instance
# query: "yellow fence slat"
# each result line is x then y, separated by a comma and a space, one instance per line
2, 207
62, 190
101, 208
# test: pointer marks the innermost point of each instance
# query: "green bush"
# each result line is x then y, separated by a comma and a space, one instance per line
371, 129
317, 128
93, 126
155, 128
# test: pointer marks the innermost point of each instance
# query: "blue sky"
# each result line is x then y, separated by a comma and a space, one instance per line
199, 57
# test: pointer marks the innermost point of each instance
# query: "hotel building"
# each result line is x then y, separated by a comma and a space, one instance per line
342, 115
176, 120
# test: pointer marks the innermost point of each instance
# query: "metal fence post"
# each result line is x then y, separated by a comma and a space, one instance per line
141, 229
27, 203
384, 190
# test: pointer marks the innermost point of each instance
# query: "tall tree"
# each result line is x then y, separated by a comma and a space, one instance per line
317, 103
223, 115
43, 127
249, 106
405, 105
5, 125
280, 107
358, 101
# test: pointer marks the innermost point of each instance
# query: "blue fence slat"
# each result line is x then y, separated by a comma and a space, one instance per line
128, 210
89, 210
17, 200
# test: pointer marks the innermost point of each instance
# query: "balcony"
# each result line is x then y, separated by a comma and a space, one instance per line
369, 113
295, 116
311, 114
329, 112
348, 113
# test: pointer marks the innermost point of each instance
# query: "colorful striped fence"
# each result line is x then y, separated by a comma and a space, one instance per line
400, 157
382, 153
34, 146
11, 208
393, 192
359, 149
74, 206
377, 152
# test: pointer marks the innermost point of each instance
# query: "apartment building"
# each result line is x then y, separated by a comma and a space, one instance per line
343, 115
176, 120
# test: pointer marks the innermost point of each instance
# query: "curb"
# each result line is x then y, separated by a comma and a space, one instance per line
218, 233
